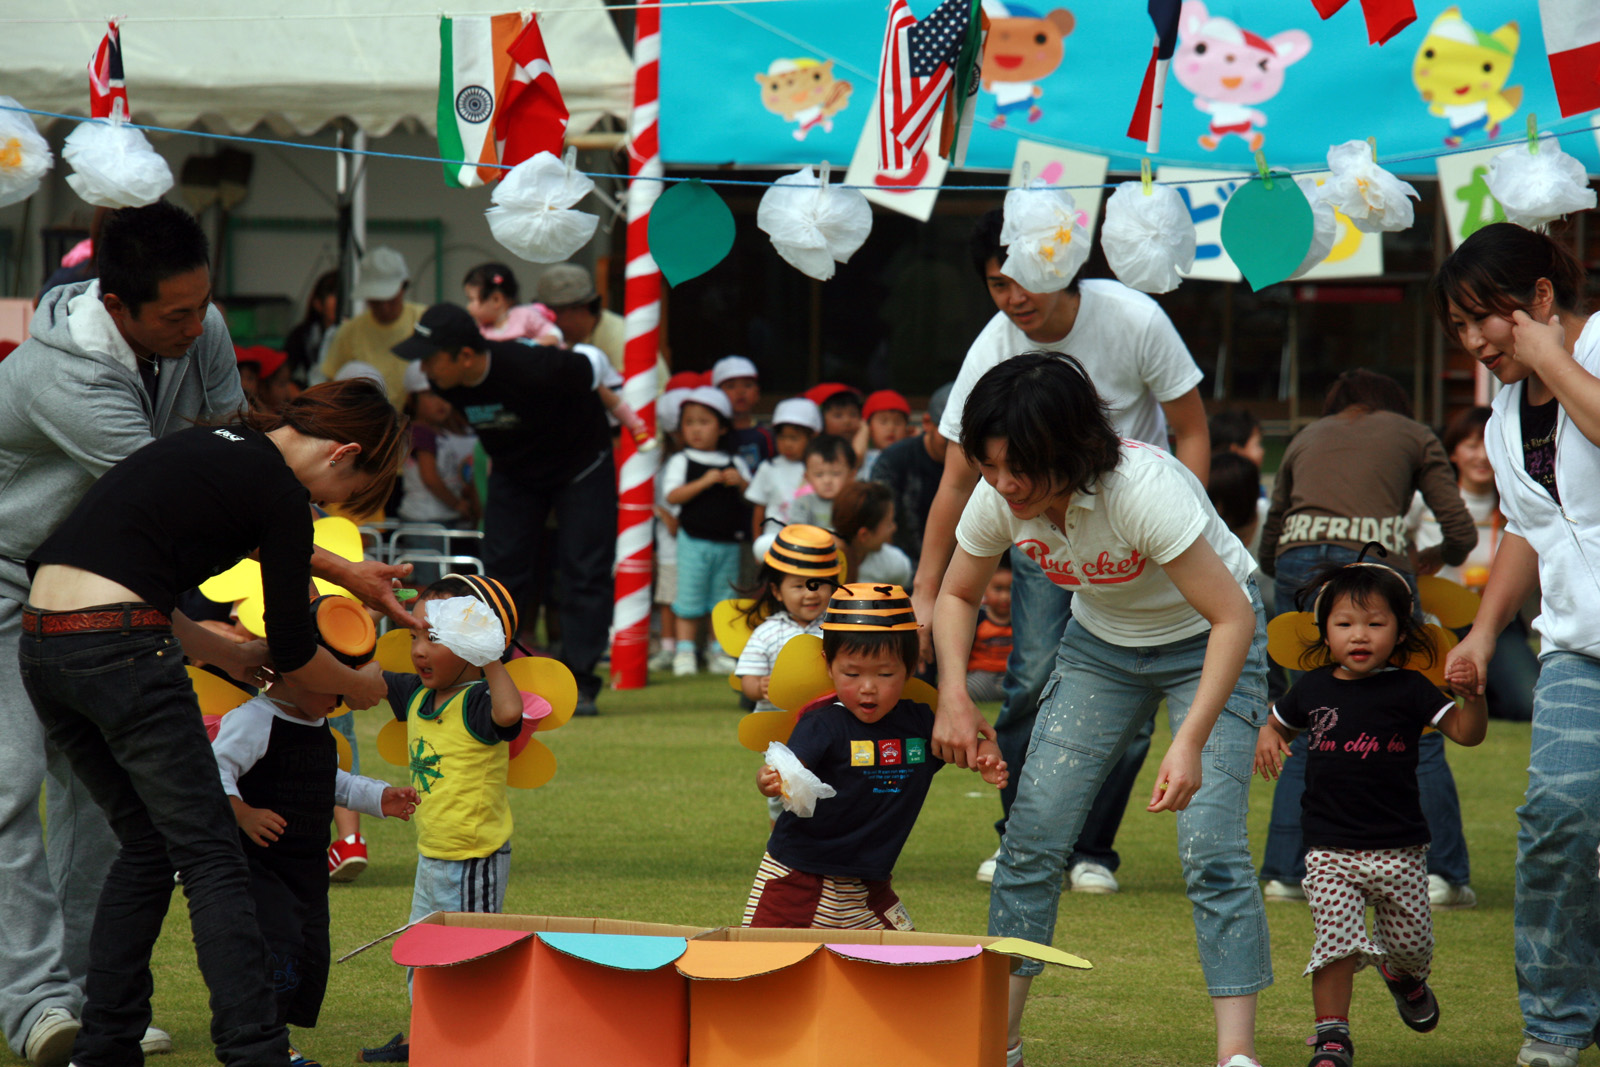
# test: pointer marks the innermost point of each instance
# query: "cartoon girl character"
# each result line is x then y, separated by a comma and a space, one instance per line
1228, 68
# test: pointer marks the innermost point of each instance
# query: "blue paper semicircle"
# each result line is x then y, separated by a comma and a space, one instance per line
625, 952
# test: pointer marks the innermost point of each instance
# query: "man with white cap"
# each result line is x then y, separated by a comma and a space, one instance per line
387, 319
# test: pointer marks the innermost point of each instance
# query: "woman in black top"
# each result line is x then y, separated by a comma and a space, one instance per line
106, 678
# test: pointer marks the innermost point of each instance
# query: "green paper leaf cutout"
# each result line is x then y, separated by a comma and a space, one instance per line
691, 231
1267, 231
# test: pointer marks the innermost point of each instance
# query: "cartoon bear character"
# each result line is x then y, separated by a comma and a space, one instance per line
1023, 48
1227, 68
803, 91
1461, 74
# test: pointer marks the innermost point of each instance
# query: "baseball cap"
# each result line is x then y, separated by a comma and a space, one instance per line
442, 328
885, 400
689, 379
360, 368
939, 400
819, 394
709, 396
415, 381
798, 411
732, 367
564, 285
383, 274
267, 360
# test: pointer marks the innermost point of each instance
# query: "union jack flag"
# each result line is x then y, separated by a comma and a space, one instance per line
106, 86
913, 77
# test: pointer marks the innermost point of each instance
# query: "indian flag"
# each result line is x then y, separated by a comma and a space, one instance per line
474, 65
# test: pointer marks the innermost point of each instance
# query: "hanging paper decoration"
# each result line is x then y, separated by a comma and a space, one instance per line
813, 224
1374, 200
533, 214
691, 231
1267, 228
24, 155
914, 73
114, 166
1148, 237
1539, 183
1045, 242
1324, 225
1385, 18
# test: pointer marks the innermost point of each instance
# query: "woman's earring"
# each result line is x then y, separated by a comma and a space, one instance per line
333, 463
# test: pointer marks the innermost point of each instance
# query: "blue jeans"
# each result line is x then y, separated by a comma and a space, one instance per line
121, 708
1039, 612
1285, 857
1097, 701
1557, 916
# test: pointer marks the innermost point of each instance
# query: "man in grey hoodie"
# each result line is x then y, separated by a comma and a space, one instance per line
111, 364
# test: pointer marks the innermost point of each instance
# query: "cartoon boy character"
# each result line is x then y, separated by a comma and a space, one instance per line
1023, 48
1228, 68
1461, 74
803, 91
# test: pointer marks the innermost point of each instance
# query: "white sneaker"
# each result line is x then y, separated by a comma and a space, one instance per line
986, 868
662, 660
1536, 1053
1241, 1060
1014, 1055
1092, 878
719, 662
683, 662
155, 1041
49, 1042
1441, 894
1276, 890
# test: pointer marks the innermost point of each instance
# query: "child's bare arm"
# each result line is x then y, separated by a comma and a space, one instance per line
769, 781
758, 519
259, 825
990, 765
1468, 722
754, 686
506, 707
1272, 747
689, 490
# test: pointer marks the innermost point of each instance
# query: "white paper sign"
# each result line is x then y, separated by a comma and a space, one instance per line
1063, 166
887, 188
1464, 188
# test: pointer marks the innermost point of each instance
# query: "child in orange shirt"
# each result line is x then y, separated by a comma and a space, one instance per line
991, 643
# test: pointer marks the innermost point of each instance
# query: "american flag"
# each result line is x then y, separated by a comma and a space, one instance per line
105, 76
913, 77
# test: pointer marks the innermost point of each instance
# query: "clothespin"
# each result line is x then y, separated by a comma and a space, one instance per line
570, 158
1027, 173
1533, 134
1372, 143
824, 173
1261, 165
1144, 175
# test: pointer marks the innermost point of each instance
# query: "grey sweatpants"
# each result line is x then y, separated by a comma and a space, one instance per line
48, 890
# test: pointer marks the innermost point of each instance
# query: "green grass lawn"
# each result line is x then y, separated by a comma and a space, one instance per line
653, 815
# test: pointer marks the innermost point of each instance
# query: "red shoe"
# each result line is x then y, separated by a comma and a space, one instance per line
347, 858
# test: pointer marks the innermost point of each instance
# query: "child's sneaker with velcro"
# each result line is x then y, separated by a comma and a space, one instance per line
1332, 1048
1418, 1007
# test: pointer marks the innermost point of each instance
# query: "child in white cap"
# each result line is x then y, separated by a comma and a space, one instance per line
740, 382
794, 422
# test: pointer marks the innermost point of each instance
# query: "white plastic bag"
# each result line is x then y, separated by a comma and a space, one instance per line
1324, 225
468, 627
801, 788
1536, 188
532, 214
1148, 239
24, 155
114, 166
814, 226
1373, 199
1045, 242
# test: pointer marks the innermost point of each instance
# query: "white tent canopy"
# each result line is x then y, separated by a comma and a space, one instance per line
294, 64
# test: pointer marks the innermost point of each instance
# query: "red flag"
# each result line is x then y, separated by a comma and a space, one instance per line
914, 75
532, 117
1385, 18
106, 88
1572, 40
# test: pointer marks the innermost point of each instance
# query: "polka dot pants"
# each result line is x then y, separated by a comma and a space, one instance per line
1341, 884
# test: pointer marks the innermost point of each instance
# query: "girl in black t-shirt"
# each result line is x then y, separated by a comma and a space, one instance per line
1361, 813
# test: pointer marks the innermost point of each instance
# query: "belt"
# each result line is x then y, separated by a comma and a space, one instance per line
120, 617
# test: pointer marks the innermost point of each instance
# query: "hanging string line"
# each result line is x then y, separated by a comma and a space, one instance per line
126, 20
1509, 142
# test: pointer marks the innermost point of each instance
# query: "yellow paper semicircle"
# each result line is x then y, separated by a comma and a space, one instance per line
1015, 946
551, 679
394, 652
392, 743
759, 729
343, 746
1443, 641
338, 535
1453, 604
799, 674
534, 766
237, 582
921, 692
730, 627
216, 696
1289, 635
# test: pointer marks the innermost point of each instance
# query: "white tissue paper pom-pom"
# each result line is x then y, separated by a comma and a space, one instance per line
24, 155
1148, 239
1045, 242
801, 788
114, 166
532, 214
1324, 225
1536, 188
1373, 199
468, 627
811, 227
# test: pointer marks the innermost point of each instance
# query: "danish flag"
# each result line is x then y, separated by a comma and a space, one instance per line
914, 74
106, 88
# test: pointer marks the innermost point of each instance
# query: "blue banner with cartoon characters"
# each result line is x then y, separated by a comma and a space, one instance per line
795, 82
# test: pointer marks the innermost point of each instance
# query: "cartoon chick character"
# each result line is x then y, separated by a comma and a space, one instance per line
1022, 49
1228, 67
803, 91
1461, 74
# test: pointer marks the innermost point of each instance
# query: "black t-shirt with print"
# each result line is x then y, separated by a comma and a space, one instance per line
1361, 767
1539, 442
881, 772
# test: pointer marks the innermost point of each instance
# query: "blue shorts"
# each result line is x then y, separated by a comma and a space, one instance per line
707, 573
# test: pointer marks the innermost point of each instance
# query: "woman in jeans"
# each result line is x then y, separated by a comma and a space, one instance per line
1513, 299
107, 680
1347, 479
1164, 608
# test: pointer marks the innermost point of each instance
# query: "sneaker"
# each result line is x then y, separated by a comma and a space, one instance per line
1332, 1049
1536, 1053
662, 659
395, 1050
585, 707
1276, 890
49, 1042
347, 858
297, 1059
986, 868
1443, 895
1241, 1060
1092, 878
719, 662
1418, 1007
683, 663
155, 1041
1014, 1055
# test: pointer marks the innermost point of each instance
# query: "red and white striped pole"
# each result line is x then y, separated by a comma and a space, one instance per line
630, 620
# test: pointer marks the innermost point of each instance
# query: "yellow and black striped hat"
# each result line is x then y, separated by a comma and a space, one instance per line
865, 606
344, 628
494, 594
804, 550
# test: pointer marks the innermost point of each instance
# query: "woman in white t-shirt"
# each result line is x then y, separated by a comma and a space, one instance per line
1164, 608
